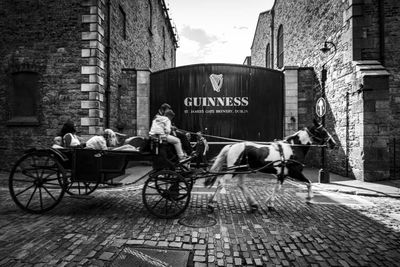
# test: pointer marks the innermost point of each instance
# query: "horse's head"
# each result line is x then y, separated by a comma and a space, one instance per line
319, 135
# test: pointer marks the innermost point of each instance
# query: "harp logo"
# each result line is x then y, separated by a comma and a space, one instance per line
216, 81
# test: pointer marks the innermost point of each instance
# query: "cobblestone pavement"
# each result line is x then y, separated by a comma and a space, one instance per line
91, 232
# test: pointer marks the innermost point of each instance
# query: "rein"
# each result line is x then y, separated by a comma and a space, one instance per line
258, 142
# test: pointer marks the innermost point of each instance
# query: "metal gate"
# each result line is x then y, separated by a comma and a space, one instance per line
231, 101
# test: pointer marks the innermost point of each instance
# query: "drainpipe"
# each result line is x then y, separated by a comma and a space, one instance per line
108, 68
381, 22
272, 37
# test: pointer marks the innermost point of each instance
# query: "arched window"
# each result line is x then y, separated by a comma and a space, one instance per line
150, 60
122, 22
268, 57
280, 51
150, 15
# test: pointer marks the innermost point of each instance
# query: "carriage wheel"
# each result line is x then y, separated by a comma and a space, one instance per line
37, 182
80, 188
166, 194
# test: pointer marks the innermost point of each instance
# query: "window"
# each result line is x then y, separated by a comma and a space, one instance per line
268, 57
24, 98
150, 63
280, 47
150, 7
122, 22
163, 36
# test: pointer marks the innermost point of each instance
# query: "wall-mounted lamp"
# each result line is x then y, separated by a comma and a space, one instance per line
326, 49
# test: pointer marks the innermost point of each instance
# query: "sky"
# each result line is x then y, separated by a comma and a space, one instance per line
215, 31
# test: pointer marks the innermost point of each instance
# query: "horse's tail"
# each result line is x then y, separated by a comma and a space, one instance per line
217, 165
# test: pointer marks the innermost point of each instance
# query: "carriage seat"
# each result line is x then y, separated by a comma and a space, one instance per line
156, 142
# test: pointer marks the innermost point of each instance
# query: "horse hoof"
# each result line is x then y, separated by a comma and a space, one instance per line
253, 208
210, 208
271, 209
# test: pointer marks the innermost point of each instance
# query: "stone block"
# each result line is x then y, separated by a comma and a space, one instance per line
89, 18
90, 36
94, 96
89, 70
90, 104
93, 10
90, 121
90, 87
94, 113
85, 53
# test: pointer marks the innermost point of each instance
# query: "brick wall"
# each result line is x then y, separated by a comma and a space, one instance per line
66, 43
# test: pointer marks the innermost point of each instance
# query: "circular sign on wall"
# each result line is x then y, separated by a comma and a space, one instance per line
320, 107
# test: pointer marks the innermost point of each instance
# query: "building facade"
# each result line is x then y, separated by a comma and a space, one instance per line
358, 72
80, 60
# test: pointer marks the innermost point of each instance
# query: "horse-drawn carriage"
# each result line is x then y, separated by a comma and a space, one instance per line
41, 177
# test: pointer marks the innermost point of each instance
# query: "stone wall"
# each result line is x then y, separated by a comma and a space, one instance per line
359, 33
66, 43
261, 39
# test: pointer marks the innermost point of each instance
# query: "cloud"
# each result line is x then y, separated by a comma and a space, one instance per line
241, 27
197, 35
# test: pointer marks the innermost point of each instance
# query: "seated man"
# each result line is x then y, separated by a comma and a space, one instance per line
161, 127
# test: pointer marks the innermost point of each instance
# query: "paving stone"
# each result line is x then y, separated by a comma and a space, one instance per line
106, 256
199, 258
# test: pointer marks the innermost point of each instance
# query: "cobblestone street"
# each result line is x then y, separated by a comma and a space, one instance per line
93, 231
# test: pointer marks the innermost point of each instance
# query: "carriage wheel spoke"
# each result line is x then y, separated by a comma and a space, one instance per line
30, 199
176, 203
158, 202
26, 189
27, 172
43, 167
48, 192
41, 198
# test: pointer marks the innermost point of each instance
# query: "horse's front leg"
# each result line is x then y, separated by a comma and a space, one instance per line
249, 197
297, 174
271, 199
211, 201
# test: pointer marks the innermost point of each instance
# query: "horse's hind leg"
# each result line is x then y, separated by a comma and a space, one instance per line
250, 199
298, 175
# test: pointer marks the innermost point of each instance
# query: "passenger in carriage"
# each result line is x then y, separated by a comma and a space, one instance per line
185, 141
57, 142
161, 127
69, 137
108, 141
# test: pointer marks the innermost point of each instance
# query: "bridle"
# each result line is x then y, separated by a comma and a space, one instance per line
320, 140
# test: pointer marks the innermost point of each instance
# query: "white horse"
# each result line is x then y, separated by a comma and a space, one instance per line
281, 158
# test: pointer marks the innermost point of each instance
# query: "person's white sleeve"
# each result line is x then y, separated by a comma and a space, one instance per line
167, 126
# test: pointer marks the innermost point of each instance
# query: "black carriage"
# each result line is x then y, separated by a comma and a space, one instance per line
41, 177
